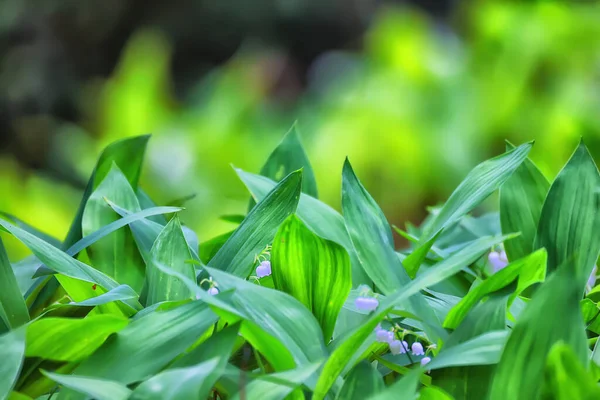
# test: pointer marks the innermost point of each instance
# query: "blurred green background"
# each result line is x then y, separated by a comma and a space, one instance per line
416, 94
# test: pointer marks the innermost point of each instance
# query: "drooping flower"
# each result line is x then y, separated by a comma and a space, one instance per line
213, 291
384, 336
263, 269
395, 347
417, 349
366, 303
591, 280
425, 361
498, 260
404, 348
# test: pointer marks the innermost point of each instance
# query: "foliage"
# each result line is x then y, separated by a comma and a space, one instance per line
129, 307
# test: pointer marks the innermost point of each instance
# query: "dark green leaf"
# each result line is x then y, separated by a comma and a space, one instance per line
362, 382
315, 271
99, 389
569, 226
209, 248
258, 229
12, 352
13, 310
481, 182
521, 200
171, 249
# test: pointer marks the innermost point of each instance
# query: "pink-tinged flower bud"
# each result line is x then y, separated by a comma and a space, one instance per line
417, 349
425, 361
497, 260
366, 303
213, 291
264, 269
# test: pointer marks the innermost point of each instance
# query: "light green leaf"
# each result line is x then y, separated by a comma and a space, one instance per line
521, 199
116, 255
128, 154
171, 249
259, 228
481, 182
528, 270
344, 352
318, 217
434, 393
371, 236
569, 226
120, 293
482, 350
13, 310
315, 271
99, 389
521, 367
403, 389
31, 229
193, 382
12, 352
362, 382
70, 339
209, 248
149, 343
61, 262
565, 378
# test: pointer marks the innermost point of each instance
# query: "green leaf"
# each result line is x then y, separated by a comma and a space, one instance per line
26, 227
61, 262
481, 182
70, 339
12, 352
120, 293
209, 248
528, 270
116, 254
569, 225
171, 249
434, 393
362, 382
219, 344
193, 382
259, 228
13, 310
148, 343
565, 378
345, 350
99, 389
276, 386
413, 261
482, 350
521, 199
315, 271
521, 367
287, 157
403, 389
372, 238
128, 154
318, 217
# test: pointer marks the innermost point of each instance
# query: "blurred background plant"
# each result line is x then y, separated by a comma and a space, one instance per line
414, 93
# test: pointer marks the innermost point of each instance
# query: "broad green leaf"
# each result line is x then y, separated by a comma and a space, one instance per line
403, 389
99, 389
521, 367
13, 310
372, 238
148, 343
61, 262
288, 157
318, 216
413, 261
259, 228
193, 382
565, 378
528, 270
116, 255
146, 202
219, 344
276, 386
362, 382
70, 339
171, 249
344, 352
128, 154
315, 271
209, 248
482, 350
569, 225
120, 293
521, 200
276, 323
481, 182
12, 352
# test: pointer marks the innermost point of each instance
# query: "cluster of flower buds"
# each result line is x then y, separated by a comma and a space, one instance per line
399, 346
